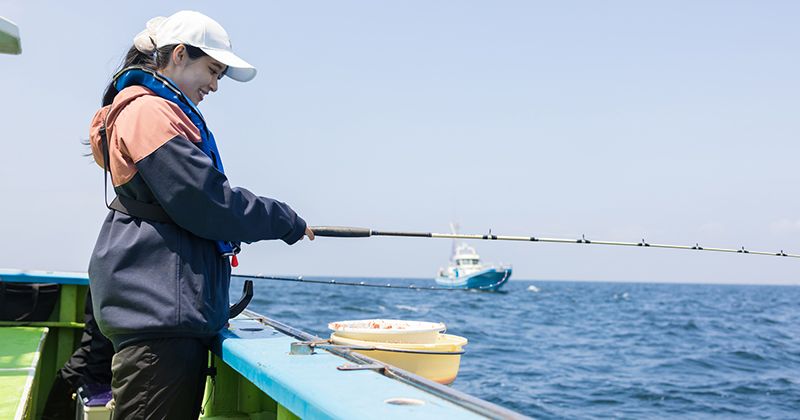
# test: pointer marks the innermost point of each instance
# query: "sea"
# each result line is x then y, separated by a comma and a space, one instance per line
555, 349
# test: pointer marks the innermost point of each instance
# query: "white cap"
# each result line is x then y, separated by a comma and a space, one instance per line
198, 30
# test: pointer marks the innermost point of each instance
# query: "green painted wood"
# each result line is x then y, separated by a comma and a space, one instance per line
67, 312
19, 347
221, 398
60, 343
52, 324
11, 388
285, 414
19, 357
252, 400
47, 370
229, 395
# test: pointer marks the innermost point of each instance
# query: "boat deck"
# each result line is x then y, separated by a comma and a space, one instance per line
19, 359
256, 376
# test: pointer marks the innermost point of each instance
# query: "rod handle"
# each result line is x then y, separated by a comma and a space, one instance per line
341, 231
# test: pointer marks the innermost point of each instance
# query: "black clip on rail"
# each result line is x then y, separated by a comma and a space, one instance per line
247, 296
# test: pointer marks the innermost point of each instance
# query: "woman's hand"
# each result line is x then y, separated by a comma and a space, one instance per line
310, 234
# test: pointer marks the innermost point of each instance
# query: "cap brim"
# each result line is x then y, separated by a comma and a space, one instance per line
238, 69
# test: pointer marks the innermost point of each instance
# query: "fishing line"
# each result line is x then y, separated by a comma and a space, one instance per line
334, 282
356, 232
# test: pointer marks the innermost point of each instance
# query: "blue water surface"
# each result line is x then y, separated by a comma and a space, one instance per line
592, 350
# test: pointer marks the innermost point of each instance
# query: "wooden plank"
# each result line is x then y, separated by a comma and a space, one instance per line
22, 347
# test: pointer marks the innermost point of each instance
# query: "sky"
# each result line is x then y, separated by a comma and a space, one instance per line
672, 121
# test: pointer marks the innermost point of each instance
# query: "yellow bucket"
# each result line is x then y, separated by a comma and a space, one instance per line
441, 368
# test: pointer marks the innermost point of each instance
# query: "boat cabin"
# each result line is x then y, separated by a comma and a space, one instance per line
466, 255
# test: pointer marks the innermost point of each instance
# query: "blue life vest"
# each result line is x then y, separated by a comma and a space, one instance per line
167, 89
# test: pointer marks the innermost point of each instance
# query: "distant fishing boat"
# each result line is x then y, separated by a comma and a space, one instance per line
466, 271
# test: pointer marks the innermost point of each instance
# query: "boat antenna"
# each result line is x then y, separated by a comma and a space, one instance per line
454, 230
358, 232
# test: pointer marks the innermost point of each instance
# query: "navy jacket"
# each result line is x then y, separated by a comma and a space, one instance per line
151, 279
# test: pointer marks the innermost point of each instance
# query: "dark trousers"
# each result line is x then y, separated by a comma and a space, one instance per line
159, 379
90, 363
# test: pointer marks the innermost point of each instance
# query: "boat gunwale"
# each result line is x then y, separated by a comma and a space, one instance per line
471, 404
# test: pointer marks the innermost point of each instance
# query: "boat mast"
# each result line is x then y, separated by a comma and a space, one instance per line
454, 230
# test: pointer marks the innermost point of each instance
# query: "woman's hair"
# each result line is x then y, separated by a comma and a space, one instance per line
156, 61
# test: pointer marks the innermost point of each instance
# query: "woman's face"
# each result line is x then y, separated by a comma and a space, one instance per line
195, 77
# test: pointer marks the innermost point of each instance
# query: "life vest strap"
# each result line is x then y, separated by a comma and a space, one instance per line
127, 205
140, 209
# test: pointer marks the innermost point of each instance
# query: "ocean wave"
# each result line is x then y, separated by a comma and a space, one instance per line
410, 308
595, 350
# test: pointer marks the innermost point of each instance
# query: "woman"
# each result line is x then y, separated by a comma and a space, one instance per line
160, 270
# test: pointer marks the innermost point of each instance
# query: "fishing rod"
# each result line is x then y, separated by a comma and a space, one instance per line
357, 232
